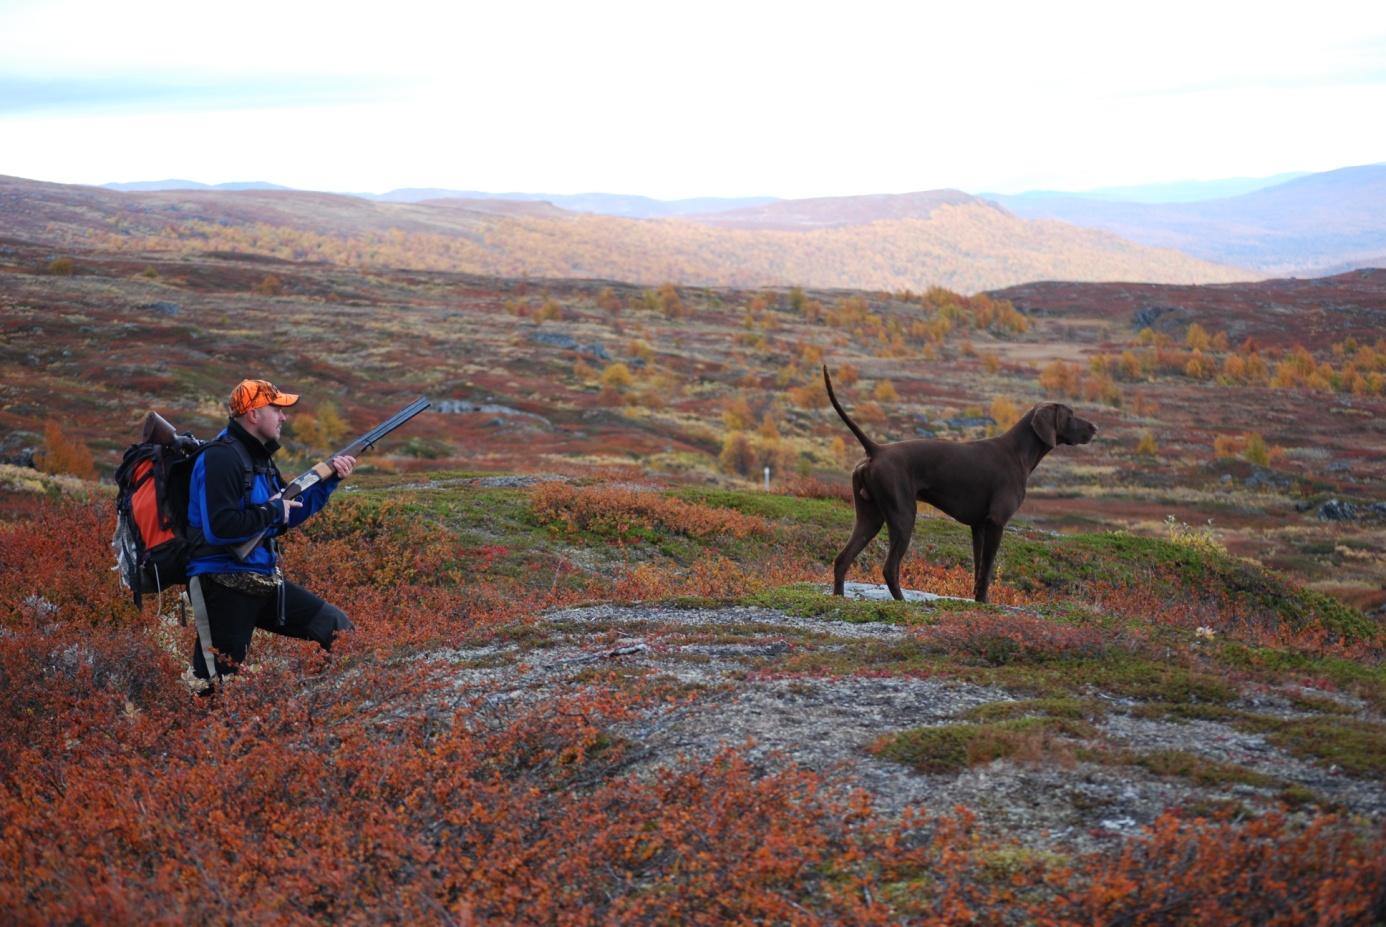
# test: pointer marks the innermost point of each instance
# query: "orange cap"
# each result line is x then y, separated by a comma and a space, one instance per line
252, 394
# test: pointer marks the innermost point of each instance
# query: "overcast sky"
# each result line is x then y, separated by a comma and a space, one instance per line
677, 100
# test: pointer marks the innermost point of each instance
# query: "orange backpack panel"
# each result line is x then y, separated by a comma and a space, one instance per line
144, 505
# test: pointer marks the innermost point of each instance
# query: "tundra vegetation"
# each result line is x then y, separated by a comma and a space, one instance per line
592, 648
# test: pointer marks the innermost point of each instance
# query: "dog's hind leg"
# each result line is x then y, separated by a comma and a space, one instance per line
869, 521
900, 525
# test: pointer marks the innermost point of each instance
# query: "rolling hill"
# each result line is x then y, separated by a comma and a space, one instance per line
912, 241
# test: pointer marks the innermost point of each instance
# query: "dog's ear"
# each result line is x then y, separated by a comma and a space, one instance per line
1045, 423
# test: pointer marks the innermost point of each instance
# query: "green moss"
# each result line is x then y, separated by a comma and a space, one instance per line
828, 513
1315, 703
1072, 563
1365, 680
1181, 764
1199, 711
897, 657
1301, 796
1123, 675
954, 747
810, 601
1356, 746
1072, 708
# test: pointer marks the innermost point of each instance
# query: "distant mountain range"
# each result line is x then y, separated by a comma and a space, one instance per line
1313, 225
1181, 191
1288, 224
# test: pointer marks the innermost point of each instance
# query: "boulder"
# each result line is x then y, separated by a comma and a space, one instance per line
19, 447
1333, 510
568, 343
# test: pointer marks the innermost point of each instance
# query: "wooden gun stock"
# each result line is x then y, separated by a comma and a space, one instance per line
157, 430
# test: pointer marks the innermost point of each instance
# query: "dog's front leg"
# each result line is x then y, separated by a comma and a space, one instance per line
991, 543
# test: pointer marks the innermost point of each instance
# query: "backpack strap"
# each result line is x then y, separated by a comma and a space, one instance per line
249, 470
247, 465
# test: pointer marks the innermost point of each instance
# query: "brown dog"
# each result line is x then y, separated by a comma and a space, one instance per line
979, 483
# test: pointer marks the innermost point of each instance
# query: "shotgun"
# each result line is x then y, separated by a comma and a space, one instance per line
323, 469
157, 430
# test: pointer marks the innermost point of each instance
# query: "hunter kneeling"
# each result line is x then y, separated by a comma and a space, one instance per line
236, 511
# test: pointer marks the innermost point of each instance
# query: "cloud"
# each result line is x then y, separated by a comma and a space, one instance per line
152, 94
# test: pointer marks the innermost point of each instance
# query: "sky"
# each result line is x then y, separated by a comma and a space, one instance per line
674, 100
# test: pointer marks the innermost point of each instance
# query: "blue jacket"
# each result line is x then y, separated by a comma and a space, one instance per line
221, 514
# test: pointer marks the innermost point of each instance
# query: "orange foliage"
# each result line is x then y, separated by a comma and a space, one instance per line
61, 454
1218, 873
360, 787
625, 512
884, 391
917, 573
999, 639
1061, 377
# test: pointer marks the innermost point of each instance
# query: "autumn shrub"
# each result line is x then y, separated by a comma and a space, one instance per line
623, 513
550, 311
63, 681
738, 454
391, 782
1266, 871
928, 576
63, 454
492, 814
812, 487
669, 302
1062, 378
617, 376
709, 577
1258, 452
59, 551
1005, 413
365, 542
998, 639
869, 412
1226, 446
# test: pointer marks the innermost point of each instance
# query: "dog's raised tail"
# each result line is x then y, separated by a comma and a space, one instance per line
871, 446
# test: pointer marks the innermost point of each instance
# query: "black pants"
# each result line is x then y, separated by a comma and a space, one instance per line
234, 615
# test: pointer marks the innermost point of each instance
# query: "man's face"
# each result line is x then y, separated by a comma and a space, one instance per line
266, 422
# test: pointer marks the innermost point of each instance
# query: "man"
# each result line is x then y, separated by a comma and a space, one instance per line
235, 495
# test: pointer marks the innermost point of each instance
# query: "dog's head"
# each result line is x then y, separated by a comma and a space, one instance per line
1056, 423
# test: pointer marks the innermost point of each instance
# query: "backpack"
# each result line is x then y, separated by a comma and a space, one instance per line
151, 537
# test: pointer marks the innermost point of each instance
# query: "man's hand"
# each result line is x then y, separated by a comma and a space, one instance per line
343, 465
288, 505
